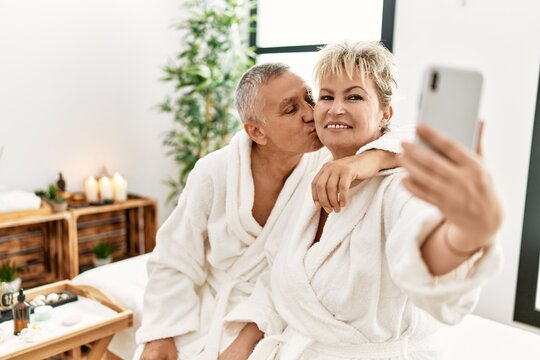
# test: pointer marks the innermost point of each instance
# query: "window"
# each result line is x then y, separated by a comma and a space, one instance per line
527, 305
292, 31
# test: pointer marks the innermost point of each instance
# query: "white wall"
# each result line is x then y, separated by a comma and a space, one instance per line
79, 79
502, 39
78, 84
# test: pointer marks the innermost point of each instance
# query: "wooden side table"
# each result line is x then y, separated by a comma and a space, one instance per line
130, 225
48, 247
97, 334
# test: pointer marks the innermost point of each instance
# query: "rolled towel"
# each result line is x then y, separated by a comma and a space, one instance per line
17, 200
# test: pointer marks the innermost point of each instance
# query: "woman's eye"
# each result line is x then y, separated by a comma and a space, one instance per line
325, 97
355, 97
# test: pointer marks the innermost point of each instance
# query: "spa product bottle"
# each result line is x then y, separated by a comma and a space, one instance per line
21, 313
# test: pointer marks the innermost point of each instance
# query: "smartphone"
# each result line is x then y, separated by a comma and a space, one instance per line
450, 101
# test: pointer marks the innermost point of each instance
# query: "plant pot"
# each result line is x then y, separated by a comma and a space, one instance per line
6, 296
15, 284
99, 262
58, 207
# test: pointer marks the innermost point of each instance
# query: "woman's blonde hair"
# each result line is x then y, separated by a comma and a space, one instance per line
368, 58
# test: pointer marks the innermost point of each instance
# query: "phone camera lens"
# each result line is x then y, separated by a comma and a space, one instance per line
434, 80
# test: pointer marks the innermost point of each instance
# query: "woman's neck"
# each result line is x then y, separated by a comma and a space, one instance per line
341, 153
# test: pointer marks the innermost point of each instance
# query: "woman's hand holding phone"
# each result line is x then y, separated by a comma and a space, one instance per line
454, 180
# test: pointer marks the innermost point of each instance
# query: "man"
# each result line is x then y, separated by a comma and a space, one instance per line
210, 251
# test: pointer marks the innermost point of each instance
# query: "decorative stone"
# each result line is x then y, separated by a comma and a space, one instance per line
37, 302
52, 298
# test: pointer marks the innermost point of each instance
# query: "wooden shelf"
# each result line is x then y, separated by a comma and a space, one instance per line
33, 219
54, 246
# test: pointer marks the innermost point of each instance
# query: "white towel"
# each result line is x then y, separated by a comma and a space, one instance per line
18, 200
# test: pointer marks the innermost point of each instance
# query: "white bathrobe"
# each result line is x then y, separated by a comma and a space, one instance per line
209, 252
362, 291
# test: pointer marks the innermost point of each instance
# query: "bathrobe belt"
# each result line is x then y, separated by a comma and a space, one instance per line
213, 341
292, 345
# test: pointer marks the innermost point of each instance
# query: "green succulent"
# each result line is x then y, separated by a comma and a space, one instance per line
51, 194
102, 250
8, 271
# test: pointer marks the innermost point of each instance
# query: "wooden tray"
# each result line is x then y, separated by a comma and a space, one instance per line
97, 335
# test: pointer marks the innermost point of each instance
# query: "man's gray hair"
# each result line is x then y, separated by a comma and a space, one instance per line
247, 90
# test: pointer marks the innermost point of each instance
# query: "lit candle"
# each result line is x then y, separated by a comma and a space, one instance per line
120, 188
105, 188
91, 189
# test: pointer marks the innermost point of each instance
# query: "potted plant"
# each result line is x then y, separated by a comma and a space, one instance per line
204, 75
8, 274
52, 196
102, 253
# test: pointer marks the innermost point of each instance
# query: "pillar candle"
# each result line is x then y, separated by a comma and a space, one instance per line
105, 188
91, 189
120, 188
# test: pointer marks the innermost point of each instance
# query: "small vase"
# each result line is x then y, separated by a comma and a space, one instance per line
99, 262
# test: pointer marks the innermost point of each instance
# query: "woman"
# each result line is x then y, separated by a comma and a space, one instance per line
365, 283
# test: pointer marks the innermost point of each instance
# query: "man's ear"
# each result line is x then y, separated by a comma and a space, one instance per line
255, 131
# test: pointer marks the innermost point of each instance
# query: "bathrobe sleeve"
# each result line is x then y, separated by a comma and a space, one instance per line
391, 141
258, 309
408, 221
177, 265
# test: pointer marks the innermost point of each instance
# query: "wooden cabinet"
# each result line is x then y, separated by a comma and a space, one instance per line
48, 247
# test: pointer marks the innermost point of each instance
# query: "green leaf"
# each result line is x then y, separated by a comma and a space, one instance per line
8, 271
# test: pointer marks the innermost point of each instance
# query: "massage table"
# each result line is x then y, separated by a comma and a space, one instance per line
474, 338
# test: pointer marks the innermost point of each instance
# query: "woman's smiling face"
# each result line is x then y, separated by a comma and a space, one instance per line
348, 114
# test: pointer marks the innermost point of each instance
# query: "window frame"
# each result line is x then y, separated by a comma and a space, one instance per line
525, 310
387, 33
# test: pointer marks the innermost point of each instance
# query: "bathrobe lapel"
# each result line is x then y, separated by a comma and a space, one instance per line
338, 227
240, 195
294, 294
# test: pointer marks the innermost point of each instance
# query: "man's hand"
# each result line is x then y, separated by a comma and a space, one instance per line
330, 187
162, 349
454, 180
242, 347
